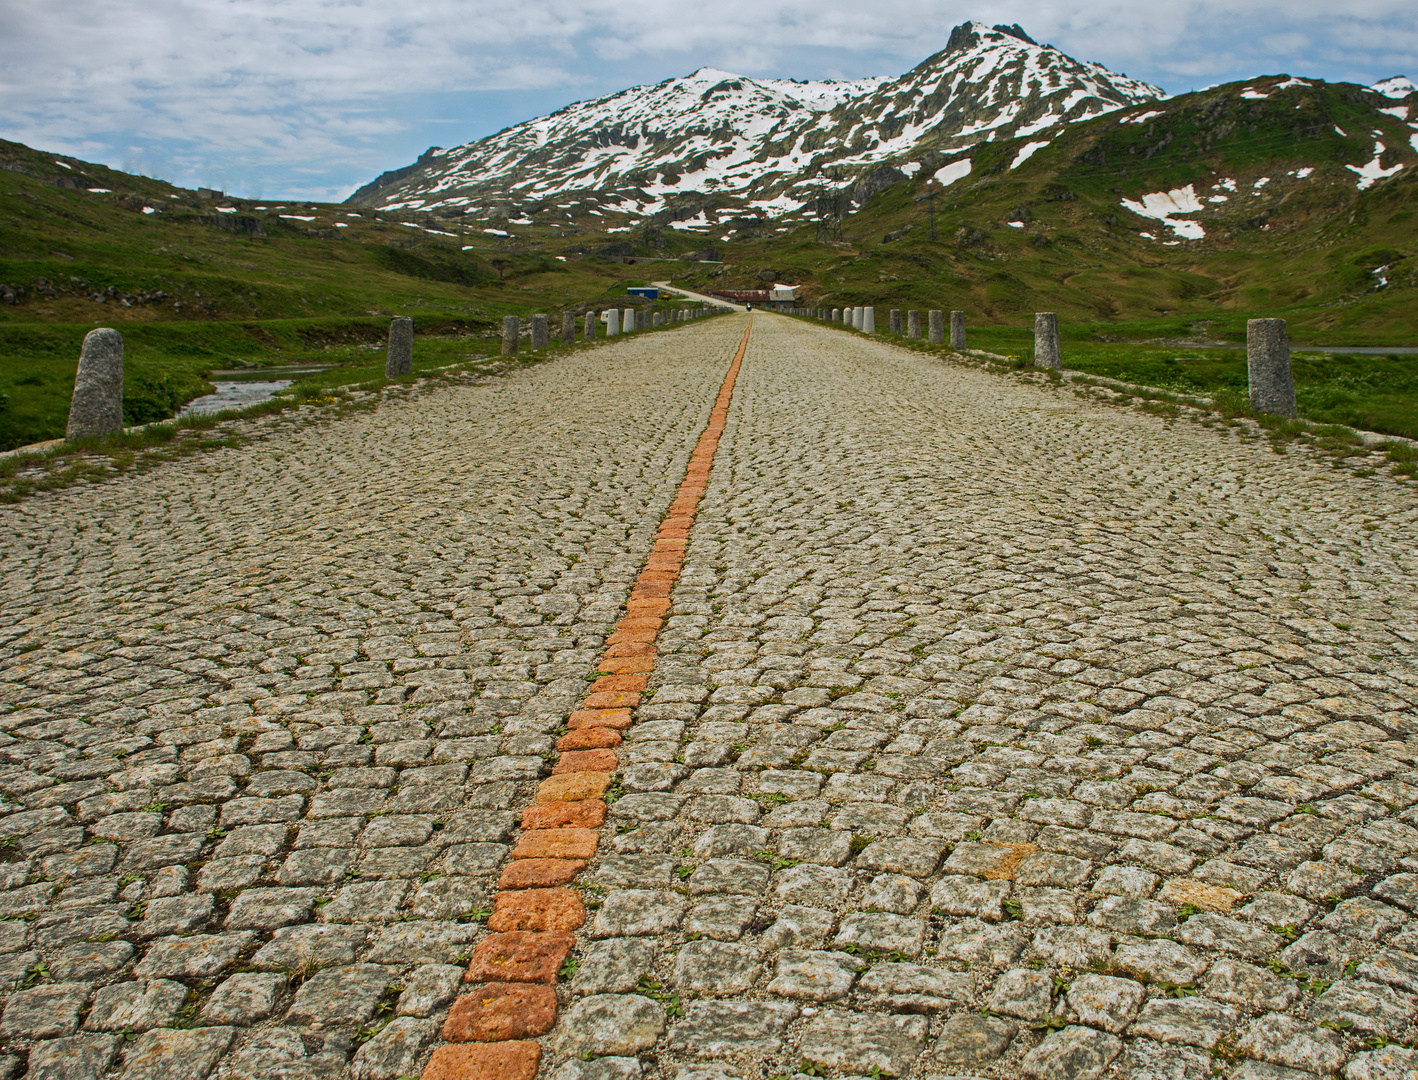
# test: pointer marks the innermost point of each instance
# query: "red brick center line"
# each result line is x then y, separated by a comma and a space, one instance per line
535, 913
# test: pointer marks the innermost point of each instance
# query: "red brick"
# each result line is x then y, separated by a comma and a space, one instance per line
639, 622
610, 700
634, 648
537, 909
627, 665
620, 684
539, 873
646, 635
556, 844
498, 1012
586, 814
609, 718
520, 957
647, 607
484, 1061
574, 761
651, 590
677, 532
588, 738
677, 521
573, 787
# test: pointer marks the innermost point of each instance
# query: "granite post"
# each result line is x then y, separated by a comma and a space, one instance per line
97, 405
568, 328
895, 318
400, 358
957, 329
1267, 366
511, 333
613, 322
628, 321
589, 333
1046, 341
869, 320
913, 324
937, 327
541, 336
836, 314
655, 319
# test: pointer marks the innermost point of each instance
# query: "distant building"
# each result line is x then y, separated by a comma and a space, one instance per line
785, 294
649, 292
210, 193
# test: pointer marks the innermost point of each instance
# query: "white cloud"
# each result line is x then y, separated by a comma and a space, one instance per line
315, 96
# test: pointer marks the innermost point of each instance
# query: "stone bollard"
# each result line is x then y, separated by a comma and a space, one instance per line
541, 336
589, 333
857, 318
895, 318
937, 327
612, 322
568, 328
628, 322
511, 332
97, 405
836, 315
869, 320
957, 330
1046, 341
400, 358
913, 324
1267, 366
655, 319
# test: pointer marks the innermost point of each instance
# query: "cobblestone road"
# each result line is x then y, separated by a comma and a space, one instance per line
992, 732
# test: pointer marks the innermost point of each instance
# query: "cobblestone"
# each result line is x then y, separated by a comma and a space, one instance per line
972, 694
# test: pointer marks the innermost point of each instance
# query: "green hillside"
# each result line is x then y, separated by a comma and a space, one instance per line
1303, 218
1304, 248
194, 288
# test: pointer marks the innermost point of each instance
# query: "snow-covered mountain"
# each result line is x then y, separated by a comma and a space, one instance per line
767, 145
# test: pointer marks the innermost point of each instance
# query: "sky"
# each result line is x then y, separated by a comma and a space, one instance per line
309, 99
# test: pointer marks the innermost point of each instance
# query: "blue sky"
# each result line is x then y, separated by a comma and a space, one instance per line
311, 98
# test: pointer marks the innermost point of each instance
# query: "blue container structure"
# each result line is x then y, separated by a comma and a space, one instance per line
648, 292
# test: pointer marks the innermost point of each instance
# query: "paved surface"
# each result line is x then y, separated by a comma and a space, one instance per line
992, 732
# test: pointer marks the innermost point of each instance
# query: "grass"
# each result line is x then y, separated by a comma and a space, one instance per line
1371, 393
437, 361
191, 295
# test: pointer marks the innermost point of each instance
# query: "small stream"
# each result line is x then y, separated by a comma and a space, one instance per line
247, 386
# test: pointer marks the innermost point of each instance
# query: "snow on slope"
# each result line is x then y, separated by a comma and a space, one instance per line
763, 144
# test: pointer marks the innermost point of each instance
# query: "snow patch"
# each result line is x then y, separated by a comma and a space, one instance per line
1142, 118
1028, 151
1291, 82
1400, 111
496, 232
1396, 87
226, 209
295, 217
1306, 171
341, 225
1161, 205
956, 170
1262, 182
105, 191
149, 210
1373, 171
1015, 224
911, 168
1252, 95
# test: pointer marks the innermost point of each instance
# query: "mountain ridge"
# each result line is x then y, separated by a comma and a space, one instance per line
763, 145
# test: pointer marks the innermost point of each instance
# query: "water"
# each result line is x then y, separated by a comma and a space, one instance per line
246, 386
